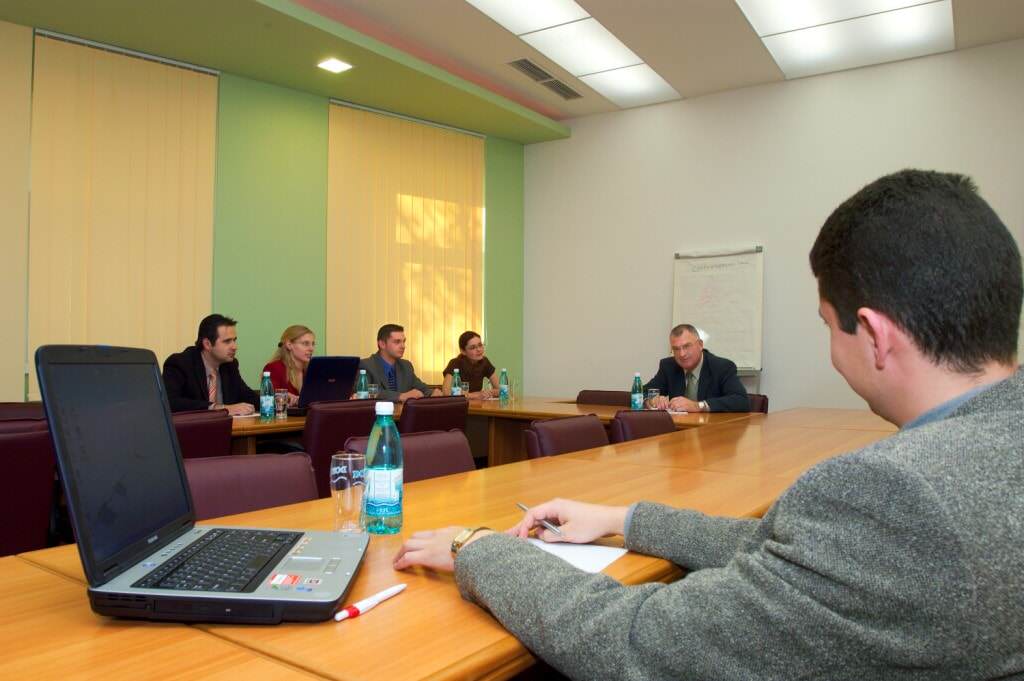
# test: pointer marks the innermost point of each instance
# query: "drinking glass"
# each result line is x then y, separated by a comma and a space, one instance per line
347, 469
281, 404
465, 388
651, 394
374, 390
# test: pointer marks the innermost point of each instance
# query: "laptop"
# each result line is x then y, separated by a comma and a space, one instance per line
131, 509
327, 378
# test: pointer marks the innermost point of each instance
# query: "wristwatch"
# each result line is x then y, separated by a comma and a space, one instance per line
702, 405
462, 537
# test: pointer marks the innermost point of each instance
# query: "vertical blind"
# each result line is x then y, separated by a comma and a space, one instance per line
121, 215
404, 235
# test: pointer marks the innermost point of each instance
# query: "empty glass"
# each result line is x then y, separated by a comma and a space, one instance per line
281, 404
652, 393
347, 469
374, 391
465, 387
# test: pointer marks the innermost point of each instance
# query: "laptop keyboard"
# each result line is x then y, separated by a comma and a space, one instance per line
222, 560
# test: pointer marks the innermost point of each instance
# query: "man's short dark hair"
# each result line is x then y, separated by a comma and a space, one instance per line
208, 328
923, 248
384, 332
679, 329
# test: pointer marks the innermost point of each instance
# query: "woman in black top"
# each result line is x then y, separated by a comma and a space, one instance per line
473, 367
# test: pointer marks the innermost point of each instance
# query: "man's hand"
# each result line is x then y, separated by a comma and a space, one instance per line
240, 409
293, 400
413, 394
579, 522
659, 402
432, 549
683, 404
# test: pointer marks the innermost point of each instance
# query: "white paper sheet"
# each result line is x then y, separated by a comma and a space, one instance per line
586, 557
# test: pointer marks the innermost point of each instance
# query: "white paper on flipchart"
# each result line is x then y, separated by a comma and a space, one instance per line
586, 557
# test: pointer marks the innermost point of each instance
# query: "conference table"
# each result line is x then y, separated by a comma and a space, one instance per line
502, 423
735, 468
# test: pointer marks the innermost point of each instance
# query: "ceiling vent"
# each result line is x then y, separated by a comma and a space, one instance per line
541, 76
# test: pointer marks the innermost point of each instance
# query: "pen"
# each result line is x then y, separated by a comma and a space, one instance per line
550, 526
357, 609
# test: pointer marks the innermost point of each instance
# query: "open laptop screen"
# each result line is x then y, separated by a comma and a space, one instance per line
117, 450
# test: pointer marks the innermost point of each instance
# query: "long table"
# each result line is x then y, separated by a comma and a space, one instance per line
736, 469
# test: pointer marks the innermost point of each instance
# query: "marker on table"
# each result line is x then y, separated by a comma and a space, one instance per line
358, 608
545, 523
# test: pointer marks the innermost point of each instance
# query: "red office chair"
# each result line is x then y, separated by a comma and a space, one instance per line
428, 454
614, 398
631, 425
434, 413
558, 436
328, 426
26, 486
758, 402
224, 485
203, 433
13, 411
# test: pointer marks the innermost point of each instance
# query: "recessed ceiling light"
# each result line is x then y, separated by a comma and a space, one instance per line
769, 17
523, 16
874, 39
582, 47
334, 65
632, 86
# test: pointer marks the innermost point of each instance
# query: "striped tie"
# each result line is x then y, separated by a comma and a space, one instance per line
211, 382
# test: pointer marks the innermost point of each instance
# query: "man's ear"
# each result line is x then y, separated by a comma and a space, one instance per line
207, 345
882, 333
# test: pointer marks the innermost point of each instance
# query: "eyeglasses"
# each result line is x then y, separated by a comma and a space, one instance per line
475, 347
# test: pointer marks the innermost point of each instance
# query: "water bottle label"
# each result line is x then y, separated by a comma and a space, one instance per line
636, 400
266, 405
383, 486
362, 394
456, 389
503, 392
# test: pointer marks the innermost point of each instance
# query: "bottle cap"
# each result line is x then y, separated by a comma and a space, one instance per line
504, 369
266, 373
362, 371
637, 374
385, 408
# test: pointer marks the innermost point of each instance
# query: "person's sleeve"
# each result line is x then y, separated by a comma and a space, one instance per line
174, 384
849, 575
278, 375
247, 394
418, 384
489, 368
371, 371
687, 538
449, 368
733, 395
660, 381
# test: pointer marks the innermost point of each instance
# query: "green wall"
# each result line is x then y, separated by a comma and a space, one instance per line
503, 255
270, 214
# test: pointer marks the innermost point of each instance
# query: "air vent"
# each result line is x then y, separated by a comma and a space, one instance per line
530, 69
561, 89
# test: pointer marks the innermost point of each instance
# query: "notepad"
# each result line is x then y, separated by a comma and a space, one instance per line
586, 557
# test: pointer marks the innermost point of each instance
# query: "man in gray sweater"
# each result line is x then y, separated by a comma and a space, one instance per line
903, 560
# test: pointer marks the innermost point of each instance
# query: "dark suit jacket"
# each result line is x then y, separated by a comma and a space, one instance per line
718, 385
185, 382
405, 377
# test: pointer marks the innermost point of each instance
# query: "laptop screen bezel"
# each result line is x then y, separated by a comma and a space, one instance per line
99, 572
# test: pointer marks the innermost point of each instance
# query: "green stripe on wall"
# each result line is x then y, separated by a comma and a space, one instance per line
503, 255
270, 215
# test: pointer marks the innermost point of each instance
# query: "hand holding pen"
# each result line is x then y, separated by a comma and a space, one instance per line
571, 521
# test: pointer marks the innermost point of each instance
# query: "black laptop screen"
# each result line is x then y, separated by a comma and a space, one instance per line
119, 451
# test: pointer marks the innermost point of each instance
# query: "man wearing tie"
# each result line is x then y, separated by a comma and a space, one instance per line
693, 379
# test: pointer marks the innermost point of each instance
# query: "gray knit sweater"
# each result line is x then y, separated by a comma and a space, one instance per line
903, 560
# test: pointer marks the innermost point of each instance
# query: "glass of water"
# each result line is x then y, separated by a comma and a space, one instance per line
347, 469
281, 404
465, 388
652, 393
374, 390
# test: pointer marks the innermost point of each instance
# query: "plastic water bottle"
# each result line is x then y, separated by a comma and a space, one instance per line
456, 383
636, 395
362, 386
503, 386
382, 495
266, 399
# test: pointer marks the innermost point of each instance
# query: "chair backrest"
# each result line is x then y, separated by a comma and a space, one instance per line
328, 426
26, 486
203, 433
630, 425
14, 411
223, 485
758, 402
614, 398
558, 436
428, 454
433, 413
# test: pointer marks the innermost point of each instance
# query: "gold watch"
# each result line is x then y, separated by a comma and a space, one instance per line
462, 537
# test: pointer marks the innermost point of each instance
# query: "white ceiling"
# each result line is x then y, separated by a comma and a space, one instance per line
698, 46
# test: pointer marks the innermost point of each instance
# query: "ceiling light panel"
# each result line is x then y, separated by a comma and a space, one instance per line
631, 86
582, 47
769, 17
334, 65
524, 16
875, 39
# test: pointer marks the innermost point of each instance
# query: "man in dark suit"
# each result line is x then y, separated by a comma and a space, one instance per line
206, 376
396, 377
693, 379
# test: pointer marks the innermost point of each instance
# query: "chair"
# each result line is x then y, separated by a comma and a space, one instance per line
11, 411
428, 454
434, 413
631, 425
614, 398
558, 436
328, 426
223, 485
26, 486
758, 402
203, 433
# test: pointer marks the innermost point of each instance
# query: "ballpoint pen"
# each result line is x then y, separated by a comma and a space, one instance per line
358, 608
545, 523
